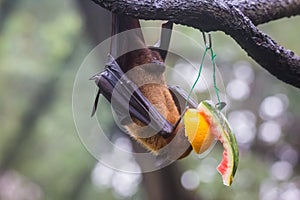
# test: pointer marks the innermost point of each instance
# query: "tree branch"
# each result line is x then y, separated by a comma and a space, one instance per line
280, 62
262, 11
235, 18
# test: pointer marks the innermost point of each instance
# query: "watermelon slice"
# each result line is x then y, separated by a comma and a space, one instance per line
201, 125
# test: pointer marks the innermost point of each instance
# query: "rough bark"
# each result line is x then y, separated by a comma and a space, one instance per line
235, 18
262, 11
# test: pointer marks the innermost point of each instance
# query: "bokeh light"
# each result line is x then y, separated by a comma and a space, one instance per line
281, 170
273, 106
243, 123
14, 186
123, 184
207, 169
243, 71
238, 90
190, 180
269, 132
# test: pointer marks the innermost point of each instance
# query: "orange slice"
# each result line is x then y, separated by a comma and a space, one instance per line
204, 124
197, 130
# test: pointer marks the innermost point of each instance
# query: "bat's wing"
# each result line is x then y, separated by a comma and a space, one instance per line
127, 100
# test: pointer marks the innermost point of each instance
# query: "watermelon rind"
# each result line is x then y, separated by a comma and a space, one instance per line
225, 135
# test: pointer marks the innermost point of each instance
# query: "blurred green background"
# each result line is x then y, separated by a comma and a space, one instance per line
42, 45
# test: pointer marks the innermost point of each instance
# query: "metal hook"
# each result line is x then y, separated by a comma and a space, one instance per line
209, 45
220, 105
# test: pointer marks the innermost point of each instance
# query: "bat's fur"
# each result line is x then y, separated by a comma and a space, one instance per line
146, 68
148, 72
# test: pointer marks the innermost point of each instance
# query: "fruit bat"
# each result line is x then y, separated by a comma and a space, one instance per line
134, 83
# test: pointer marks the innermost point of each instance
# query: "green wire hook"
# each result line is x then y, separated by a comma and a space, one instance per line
220, 105
208, 46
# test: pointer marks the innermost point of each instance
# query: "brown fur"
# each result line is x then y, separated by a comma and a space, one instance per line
145, 68
156, 92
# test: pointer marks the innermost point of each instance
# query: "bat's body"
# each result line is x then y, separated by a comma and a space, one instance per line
144, 87
150, 76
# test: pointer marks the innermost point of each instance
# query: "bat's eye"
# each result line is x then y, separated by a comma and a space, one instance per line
156, 66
